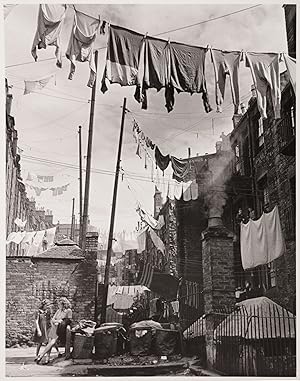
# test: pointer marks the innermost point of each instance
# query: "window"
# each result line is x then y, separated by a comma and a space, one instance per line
260, 132
246, 158
263, 194
237, 158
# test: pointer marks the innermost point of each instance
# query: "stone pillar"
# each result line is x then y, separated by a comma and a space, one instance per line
218, 278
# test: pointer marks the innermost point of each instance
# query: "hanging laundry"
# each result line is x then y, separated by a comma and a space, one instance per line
102, 28
138, 150
149, 143
161, 160
15, 237
154, 68
186, 191
147, 274
275, 240
226, 63
38, 190
147, 218
81, 44
26, 242
50, 21
160, 222
45, 179
59, 190
141, 239
20, 223
122, 57
153, 310
11, 237
30, 177
36, 246
158, 243
264, 68
262, 240
178, 190
65, 187
190, 191
39, 84
181, 168
50, 234
188, 70
28, 237
194, 190
290, 64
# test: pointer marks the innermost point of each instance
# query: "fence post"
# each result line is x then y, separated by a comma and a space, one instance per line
209, 341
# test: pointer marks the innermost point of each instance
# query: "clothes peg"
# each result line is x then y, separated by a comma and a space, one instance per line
242, 55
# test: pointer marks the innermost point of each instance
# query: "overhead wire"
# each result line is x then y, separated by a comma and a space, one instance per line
158, 34
131, 175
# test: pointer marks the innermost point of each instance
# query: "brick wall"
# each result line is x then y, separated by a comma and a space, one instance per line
278, 171
20, 300
218, 268
29, 281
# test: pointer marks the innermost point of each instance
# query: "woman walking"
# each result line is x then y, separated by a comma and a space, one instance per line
42, 325
57, 333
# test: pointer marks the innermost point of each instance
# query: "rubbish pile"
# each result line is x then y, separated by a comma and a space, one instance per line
145, 338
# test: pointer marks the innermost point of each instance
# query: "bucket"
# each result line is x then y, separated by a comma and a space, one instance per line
106, 339
166, 342
140, 341
82, 346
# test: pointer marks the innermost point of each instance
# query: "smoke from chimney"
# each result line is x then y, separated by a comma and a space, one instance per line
215, 196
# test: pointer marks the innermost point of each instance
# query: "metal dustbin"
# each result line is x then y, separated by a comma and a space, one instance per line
140, 341
166, 342
106, 339
82, 346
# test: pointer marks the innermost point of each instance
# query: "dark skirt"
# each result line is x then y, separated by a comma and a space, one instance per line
62, 332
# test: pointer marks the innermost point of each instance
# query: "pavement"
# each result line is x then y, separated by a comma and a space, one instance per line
20, 363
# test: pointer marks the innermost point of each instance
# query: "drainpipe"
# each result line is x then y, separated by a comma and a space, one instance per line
253, 182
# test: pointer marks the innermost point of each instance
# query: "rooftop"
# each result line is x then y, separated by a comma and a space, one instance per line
64, 249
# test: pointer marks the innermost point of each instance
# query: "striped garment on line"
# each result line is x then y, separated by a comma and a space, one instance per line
147, 275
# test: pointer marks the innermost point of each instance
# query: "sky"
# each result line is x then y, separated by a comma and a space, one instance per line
47, 122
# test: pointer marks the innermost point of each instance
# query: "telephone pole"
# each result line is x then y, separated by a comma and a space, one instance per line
80, 187
72, 220
88, 163
112, 219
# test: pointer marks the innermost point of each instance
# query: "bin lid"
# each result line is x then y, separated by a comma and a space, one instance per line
105, 329
114, 324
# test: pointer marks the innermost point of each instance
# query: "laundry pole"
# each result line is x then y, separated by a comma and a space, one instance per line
88, 162
80, 187
112, 219
72, 220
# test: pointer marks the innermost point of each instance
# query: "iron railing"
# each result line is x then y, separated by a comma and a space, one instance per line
256, 338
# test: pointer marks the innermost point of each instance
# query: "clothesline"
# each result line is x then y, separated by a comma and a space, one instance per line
147, 62
159, 34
